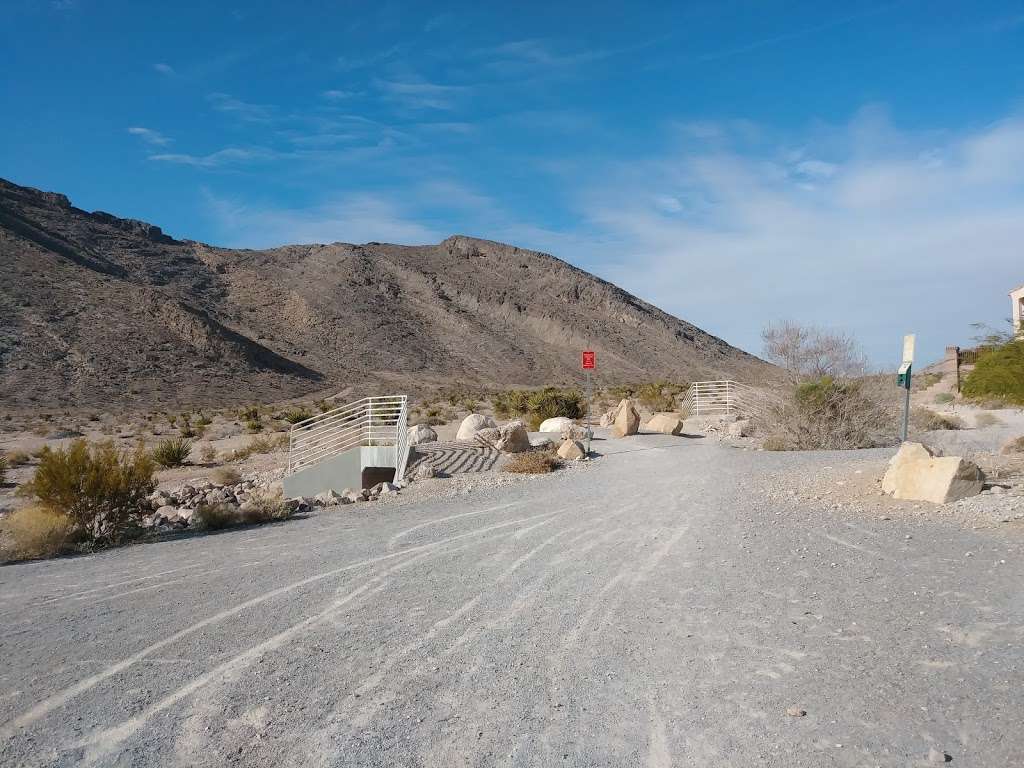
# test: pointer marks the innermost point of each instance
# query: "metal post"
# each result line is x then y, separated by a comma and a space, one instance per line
590, 396
906, 414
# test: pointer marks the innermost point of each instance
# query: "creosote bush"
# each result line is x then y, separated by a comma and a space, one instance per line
924, 420
99, 487
998, 373
533, 463
216, 517
829, 414
18, 458
944, 397
36, 532
173, 452
207, 453
227, 476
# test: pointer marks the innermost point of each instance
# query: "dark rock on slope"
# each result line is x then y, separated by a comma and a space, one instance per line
97, 310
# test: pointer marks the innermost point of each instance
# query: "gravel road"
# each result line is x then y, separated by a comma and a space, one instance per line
651, 609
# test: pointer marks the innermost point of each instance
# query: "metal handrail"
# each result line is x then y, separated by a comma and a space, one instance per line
380, 421
722, 397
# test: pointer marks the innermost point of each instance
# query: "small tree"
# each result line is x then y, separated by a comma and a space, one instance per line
807, 351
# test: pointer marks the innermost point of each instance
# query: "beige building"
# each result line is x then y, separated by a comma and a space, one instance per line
1017, 298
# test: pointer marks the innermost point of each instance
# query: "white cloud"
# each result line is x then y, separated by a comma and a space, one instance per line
354, 218
336, 95
255, 113
420, 94
883, 242
164, 69
221, 158
149, 136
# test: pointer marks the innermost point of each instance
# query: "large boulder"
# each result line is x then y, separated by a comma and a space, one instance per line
511, 438
917, 472
572, 450
665, 423
557, 424
608, 417
473, 424
574, 432
627, 420
421, 433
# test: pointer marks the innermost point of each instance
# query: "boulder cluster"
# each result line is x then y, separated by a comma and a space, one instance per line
348, 496
176, 509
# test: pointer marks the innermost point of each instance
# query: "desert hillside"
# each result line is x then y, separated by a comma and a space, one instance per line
95, 310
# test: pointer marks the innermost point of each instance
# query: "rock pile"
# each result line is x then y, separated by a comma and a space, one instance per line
511, 438
473, 424
175, 510
421, 433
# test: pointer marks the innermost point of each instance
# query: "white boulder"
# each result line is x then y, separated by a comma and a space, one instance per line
557, 424
473, 424
421, 433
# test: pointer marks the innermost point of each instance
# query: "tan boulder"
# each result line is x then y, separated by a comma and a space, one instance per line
665, 423
627, 420
574, 432
918, 473
556, 424
511, 438
572, 450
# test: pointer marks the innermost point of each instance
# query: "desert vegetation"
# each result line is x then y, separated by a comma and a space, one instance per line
173, 452
540, 462
925, 420
998, 374
830, 403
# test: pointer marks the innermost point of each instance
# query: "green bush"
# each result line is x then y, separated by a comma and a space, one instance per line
511, 403
173, 452
551, 402
99, 487
999, 372
295, 415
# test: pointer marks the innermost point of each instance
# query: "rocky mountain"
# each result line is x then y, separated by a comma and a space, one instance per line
101, 311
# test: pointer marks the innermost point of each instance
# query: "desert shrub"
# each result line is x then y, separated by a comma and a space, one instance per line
533, 463
37, 532
227, 476
551, 402
216, 517
924, 420
433, 413
295, 415
18, 458
264, 508
999, 372
207, 453
324, 406
659, 395
173, 452
254, 426
99, 487
922, 381
986, 420
944, 397
38, 453
829, 414
260, 445
202, 420
3, 469
809, 352
1014, 446
511, 403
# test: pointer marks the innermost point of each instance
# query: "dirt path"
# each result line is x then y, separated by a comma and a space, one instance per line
656, 609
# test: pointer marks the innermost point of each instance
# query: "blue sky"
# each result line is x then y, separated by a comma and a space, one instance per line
855, 165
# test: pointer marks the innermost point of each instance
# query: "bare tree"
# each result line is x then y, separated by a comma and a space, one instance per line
806, 351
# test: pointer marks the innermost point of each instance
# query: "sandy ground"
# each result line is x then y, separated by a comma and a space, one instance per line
663, 606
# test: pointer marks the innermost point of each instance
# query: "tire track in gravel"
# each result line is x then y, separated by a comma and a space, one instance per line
59, 699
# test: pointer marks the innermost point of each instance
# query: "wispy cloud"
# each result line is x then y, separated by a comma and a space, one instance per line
164, 69
421, 94
337, 95
231, 156
348, 63
519, 56
846, 233
351, 218
440, 21
256, 113
149, 136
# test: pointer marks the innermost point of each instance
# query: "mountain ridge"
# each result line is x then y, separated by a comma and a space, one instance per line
103, 310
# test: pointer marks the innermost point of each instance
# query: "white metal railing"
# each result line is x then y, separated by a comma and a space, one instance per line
372, 421
722, 398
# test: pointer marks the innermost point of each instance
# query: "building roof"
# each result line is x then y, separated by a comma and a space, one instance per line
1018, 289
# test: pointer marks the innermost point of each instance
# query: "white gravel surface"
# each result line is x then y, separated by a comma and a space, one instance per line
665, 605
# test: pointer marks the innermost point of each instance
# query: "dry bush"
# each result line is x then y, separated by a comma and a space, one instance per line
173, 452
227, 476
983, 420
263, 508
924, 420
260, 445
37, 532
533, 463
207, 453
1014, 446
830, 414
3, 470
98, 486
18, 458
809, 352
216, 517
944, 397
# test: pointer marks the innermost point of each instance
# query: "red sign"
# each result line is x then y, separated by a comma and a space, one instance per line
589, 359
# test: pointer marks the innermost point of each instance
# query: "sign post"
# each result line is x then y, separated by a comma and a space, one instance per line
903, 379
589, 363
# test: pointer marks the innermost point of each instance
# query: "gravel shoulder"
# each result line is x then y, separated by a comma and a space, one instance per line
664, 605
